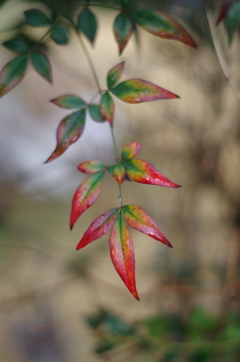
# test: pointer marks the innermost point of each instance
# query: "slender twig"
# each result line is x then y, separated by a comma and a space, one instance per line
221, 61
100, 91
90, 63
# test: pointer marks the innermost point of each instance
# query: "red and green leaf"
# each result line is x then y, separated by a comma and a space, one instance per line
85, 196
131, 150
42, 65
99, 227
143, 172
118, 172
69, 102
12, 74
69, 131
138, 90
91, 166
163, 26
138, 219
107, 107
115, 74
122, 254
226, 4
123, 28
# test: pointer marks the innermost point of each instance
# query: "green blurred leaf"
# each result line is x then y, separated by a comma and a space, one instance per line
36, 18
123, 28
126, 3
69, 102
233, 20
95, 114
59, 35
103, 347
87, 23
12, 74
42, 65
17, 46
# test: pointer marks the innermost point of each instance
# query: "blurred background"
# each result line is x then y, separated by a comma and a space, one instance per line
61, 305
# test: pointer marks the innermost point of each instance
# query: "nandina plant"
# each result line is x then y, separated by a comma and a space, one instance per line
59, 18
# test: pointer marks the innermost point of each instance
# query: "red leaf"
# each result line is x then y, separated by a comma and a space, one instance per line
131, 150
226, 4
12, 74
143, 172
85, 196
138, 219
122, 254
91, 166
69, 131
118, 172
99, 227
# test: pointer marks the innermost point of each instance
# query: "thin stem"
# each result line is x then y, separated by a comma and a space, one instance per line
221, 61
44, 36
116, 155
90, 63
114, 143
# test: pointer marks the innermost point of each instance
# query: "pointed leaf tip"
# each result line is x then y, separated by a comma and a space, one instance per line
138, 219
115, 74
143, 172
122, 254
123, 29
69, 101
163, 26
69, 131
139, 90
99, 227
131, 150
91, 166
86, 194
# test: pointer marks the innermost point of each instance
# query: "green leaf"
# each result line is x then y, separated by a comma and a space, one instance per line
36, 18
12, 74
123, 29
107, 107
118, 172
233, 20
69, 102
95, 114
163, 26
138, 90
87, 23
115, 74
69, 131
42, 65
59, 35
126, 3
17, 46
